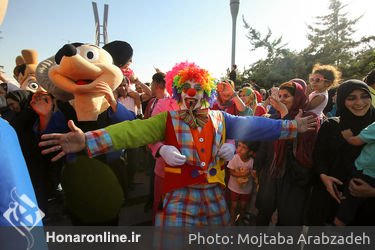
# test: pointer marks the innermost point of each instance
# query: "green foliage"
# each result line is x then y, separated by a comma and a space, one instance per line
274, 48
362, 62
272, 71
331, 42
330, 36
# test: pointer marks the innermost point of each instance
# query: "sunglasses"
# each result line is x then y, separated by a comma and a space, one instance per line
317, 79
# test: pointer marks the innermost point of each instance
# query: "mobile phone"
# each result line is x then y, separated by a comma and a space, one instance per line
275, 92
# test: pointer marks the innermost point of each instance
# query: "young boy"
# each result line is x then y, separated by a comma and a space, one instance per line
364, 169
241, 176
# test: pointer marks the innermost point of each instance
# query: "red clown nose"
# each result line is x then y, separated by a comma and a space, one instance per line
191, 92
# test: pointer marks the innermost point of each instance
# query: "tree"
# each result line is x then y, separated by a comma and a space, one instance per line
362, 62
331, 36
274, 48
331, 42
276, 67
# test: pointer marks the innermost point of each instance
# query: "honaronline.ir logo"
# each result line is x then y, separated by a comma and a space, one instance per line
23, 214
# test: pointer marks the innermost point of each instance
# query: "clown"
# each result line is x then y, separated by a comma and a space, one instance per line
194, 147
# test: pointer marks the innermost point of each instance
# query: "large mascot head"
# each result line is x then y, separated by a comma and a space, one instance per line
24, 72
79, 67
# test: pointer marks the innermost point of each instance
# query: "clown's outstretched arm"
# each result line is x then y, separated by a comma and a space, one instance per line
262, 129
127, 134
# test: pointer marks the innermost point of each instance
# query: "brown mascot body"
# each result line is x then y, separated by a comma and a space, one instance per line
82, 77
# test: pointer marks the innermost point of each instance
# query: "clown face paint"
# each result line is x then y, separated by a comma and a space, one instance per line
191, 96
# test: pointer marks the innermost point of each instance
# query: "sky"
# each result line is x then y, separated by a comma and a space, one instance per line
165, 32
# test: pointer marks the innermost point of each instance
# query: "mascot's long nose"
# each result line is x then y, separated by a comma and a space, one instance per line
69, 50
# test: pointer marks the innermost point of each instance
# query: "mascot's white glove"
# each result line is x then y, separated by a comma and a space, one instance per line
171, 155
226, 151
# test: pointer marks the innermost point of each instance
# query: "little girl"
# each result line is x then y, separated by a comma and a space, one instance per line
321, 79
241, 177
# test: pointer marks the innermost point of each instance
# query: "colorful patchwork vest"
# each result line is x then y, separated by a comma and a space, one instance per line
193, 172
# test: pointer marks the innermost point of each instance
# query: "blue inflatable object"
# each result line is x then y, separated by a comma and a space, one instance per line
18, 205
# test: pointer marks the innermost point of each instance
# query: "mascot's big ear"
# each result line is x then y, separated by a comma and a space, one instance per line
19, 60
30, 56
120, 51
20, 67
26, 65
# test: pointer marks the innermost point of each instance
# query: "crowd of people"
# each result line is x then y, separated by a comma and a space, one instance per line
325, 176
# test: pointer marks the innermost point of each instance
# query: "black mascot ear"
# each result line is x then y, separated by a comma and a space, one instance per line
66, 50
120, 51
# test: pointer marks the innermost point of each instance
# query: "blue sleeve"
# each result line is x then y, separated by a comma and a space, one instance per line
247, 112
252, 128
368, 134
121, 114
57, 124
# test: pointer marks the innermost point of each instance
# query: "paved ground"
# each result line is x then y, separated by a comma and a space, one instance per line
132, 213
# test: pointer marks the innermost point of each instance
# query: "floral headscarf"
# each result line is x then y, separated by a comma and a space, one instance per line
252, 102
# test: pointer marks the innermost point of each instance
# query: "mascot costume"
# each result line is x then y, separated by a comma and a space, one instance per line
83, 77
24, 72
194, 141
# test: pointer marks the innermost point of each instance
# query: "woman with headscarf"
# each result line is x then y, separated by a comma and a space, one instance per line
300, 82
19, 100
249, 97
285, 184
5, 88
334, 157
228, 100
23, 122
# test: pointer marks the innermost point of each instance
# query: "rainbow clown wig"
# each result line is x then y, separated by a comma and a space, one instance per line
184, 72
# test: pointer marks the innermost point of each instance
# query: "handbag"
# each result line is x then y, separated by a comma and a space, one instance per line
301, 175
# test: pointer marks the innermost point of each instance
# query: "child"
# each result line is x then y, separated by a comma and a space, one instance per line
331, 107
241, 176
365, 170
322, 78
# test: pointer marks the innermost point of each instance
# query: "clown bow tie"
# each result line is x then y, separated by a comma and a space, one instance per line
194, 118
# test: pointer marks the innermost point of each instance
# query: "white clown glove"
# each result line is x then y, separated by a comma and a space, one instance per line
226, 151
171, 155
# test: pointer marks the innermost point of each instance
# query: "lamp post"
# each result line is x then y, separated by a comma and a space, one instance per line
234, 6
